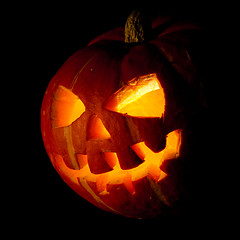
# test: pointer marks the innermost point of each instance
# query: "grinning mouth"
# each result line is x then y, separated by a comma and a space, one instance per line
150, 167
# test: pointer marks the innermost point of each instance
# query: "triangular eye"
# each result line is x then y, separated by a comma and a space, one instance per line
141, 97
66, 108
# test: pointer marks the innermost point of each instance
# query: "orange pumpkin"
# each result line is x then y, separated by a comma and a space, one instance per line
114, 118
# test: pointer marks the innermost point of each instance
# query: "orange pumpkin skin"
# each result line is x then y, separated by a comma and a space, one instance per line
93, 75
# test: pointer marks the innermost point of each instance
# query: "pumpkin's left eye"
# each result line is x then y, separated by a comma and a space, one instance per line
141, 97
66, 108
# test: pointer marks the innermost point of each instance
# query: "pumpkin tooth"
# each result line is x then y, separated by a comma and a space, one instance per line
139, 149
154, 172
128, 184
82, 160
162, 176
101, 184
111, 159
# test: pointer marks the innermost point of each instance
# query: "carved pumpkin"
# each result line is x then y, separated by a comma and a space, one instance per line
114, 116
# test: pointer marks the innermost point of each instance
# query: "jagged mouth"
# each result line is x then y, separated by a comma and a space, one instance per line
150, 167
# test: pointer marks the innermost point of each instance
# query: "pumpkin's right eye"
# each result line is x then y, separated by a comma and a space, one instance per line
66, 108
140, 97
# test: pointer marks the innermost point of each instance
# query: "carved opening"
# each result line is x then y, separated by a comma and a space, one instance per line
141, 97
66, 108
96, 129
150, 166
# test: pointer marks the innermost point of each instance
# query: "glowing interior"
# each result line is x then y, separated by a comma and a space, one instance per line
150, 167
141, 97
96, 129
66, 107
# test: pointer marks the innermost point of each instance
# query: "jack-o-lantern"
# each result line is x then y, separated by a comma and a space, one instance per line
113, 118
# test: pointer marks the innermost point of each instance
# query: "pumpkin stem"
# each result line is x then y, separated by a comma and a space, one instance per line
138, 27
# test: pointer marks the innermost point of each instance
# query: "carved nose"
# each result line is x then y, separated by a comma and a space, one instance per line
96, 129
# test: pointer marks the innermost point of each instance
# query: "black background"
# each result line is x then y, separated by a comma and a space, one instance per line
45, 35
